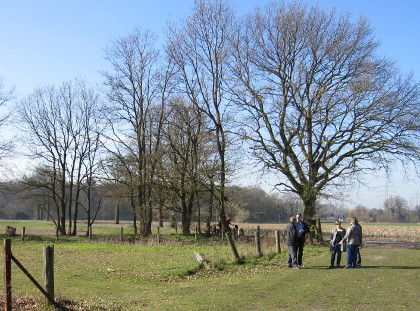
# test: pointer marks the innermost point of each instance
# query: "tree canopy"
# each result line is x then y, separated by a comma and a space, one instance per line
319, 105
302, 87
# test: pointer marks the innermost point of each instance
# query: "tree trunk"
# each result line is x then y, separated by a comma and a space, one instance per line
310, 218
62, 226
198, 214
210, 211
117, 213
89, 222
133, 208
186, 223
319, 230
76, 210
76, 215
161, 202
145, 220
187, 205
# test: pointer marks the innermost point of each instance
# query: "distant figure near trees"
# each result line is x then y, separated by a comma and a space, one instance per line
228, 224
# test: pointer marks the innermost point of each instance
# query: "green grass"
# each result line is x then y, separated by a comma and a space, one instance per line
147, 276
169, 278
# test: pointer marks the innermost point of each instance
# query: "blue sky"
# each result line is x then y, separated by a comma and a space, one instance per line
46, 42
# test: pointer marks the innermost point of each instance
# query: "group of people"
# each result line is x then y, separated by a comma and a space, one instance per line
352, 238
341, 241
296, 232
217, 229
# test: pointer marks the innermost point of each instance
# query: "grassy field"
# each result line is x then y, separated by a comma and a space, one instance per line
107, 230
391, 232
99, 275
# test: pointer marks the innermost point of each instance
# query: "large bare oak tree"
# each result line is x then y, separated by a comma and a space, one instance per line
318, 105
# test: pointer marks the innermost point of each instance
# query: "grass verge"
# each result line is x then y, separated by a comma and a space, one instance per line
102, 276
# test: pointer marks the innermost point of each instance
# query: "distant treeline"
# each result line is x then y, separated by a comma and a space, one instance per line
245, 204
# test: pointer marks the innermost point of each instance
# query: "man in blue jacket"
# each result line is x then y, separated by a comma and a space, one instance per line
302, 229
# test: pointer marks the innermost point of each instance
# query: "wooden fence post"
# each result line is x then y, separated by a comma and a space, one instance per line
122, 234
23, 233
196, 234
7, 275
278, 249
232, 245
319, 230
158, 234
49, 272
258, 242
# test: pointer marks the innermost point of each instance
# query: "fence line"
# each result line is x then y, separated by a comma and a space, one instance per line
8, 258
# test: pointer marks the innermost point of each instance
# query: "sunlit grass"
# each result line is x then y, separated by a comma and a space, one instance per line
145, 275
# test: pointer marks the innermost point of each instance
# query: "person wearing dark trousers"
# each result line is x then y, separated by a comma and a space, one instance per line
302, 229
337, 235
354, 240
291, 242
359, 257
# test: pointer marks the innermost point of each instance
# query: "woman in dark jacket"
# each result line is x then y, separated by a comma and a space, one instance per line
337, 235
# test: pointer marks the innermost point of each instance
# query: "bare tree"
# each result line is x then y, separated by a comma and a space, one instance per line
189, 145
200, 50
120, 180
39, 187
136, 87
6, 96
397, 209
88, 152
320, 106
54, 119
417, 213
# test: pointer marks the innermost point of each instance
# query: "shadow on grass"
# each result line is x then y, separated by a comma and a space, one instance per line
367, 267
390, 267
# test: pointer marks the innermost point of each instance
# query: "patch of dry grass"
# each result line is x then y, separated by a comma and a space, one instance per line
384, 232
105, 230
371, 232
